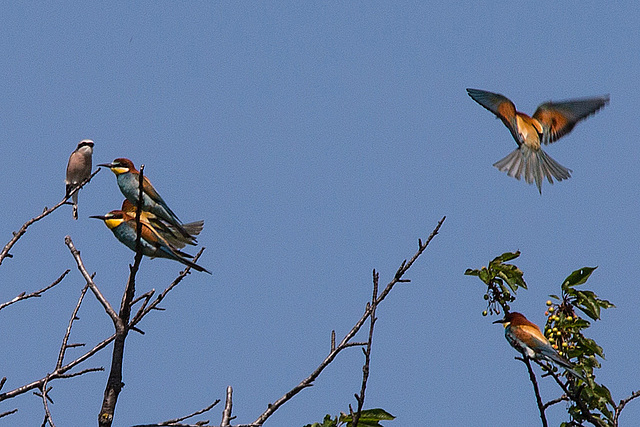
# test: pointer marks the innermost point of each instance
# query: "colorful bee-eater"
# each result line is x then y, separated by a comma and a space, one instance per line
128, 181
527, 338
124, 228
550, 122
78, 169
166, 231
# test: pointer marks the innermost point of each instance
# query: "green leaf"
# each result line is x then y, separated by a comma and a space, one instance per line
578, 277
469, 272
590, 347
368, 418
512, 275
484, 275
328, 422
586, 301
507, 256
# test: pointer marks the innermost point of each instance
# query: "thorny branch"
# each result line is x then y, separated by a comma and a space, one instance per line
308, 382
18, 234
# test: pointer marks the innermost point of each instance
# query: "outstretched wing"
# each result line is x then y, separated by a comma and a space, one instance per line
559, 118
499, 105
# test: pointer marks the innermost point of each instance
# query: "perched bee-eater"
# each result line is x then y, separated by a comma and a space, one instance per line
124, 228
527, 338
166, 231
78, 169
128, 181
550, 122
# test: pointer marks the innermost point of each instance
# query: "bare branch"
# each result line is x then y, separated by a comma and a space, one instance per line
45, 398
143, 311
308, 382
622, 404
552, 402
532, 377
406, 265
89, 279
367, 350
4, 414
176, 421
121, 323
228, 407
17, 235
82, 372
35, 294
60, 371
63, 347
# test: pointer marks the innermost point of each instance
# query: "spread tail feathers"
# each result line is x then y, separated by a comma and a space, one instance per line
534, 164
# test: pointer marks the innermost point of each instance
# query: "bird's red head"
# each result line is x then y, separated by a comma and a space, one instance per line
120, 165
513, 318
125, 163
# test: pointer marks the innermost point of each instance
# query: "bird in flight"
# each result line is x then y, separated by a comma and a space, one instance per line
550, 122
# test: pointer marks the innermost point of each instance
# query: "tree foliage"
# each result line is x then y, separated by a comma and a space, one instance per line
569, 316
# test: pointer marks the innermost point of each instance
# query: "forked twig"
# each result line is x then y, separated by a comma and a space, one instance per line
35, 294
308, 382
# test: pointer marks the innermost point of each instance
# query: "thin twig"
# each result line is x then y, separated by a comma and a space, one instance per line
143, 311
63, 347
622, 404
176, 421
35, 294
367, 350
532, 377
47, 413
89, 279
308, 382
18, 234
61, 372
4, 414
552, 402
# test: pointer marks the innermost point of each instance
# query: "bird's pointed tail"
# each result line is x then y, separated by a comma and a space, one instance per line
556, 358
534, 165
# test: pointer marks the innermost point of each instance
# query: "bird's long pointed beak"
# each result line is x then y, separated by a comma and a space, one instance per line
102, 217
107, 165
499, 321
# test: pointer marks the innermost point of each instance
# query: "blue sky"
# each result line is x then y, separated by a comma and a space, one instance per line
318, 141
